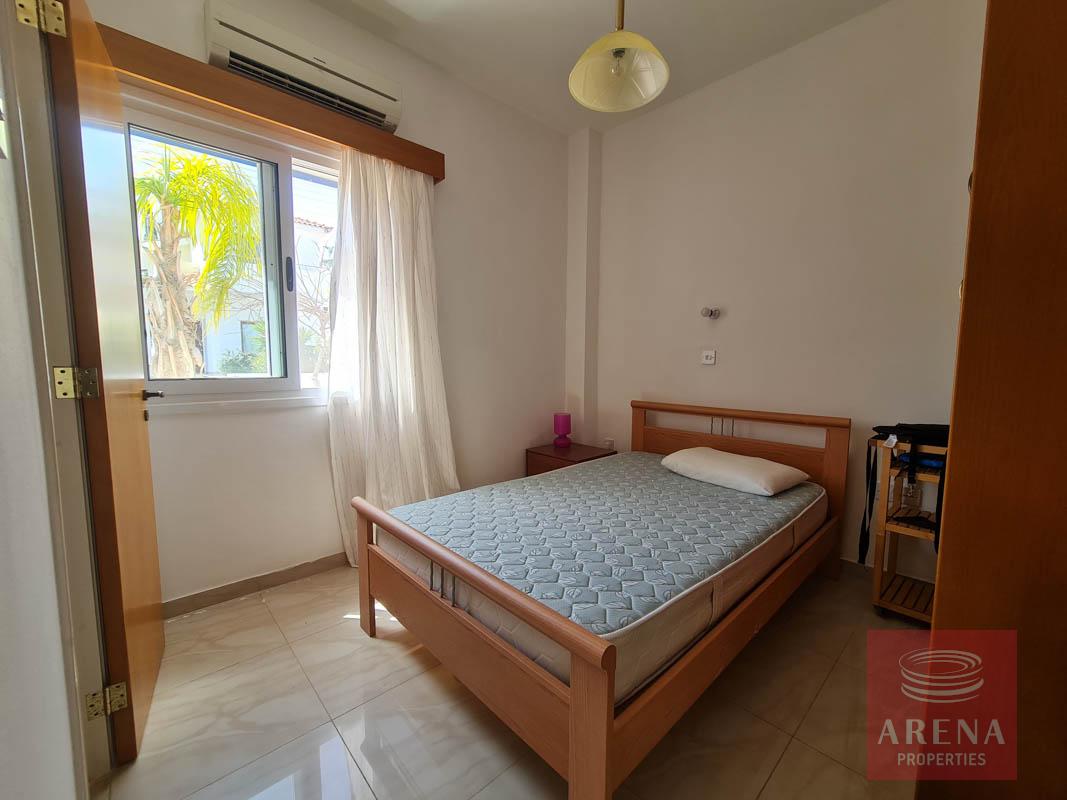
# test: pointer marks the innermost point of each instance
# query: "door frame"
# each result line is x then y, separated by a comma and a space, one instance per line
33, 146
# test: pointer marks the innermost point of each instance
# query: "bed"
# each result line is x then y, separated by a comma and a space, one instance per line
589, 607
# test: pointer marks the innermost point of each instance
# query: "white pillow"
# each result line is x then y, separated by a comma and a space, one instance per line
743, 473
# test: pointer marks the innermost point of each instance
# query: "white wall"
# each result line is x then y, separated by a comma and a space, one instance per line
583, 269
500, 231
36, 755
240, 494
819, 197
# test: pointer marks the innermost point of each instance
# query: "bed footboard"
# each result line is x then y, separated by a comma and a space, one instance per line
364, 541
567, 726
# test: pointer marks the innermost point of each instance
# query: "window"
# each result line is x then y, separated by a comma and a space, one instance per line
315, 224
251, 337
236, 241
207, 230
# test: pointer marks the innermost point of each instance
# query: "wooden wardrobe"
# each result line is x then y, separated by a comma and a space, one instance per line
1003, 560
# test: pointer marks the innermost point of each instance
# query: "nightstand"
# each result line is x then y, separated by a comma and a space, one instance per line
547, 457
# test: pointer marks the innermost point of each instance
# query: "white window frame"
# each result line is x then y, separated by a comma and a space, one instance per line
169, 117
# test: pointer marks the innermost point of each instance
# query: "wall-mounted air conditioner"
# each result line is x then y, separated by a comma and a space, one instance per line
245, 44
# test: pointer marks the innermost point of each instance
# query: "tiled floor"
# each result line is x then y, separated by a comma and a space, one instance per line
280, 695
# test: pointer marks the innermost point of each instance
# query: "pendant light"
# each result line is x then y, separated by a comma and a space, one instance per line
620, 71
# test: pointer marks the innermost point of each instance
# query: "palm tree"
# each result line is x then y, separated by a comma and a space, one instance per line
193, 199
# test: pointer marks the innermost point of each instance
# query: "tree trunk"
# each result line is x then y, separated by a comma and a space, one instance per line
168, 311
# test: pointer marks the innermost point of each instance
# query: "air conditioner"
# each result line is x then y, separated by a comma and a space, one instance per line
245, 44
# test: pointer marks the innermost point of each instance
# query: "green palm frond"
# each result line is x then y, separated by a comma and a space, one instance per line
212, 204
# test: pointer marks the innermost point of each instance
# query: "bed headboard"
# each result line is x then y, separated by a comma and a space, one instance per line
826, 465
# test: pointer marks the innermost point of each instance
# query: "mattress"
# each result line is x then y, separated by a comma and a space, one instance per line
641, 556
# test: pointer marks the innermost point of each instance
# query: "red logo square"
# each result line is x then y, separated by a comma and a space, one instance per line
942, 705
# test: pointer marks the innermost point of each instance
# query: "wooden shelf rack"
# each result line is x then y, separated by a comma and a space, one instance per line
900, 594
909, 596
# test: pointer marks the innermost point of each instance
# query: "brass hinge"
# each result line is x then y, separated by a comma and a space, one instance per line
106, 702
115, 697
72, 383
48, 16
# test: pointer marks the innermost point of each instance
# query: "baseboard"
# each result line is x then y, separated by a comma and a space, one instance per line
220, 594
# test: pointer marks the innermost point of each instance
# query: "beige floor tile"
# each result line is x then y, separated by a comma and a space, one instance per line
309, 605
717, 750
856, 572
849, 589
317, 766
338, 577
836, 725
428, 738
238, 714
774, 682
849, 600
348, 668
855, 652
823, 615
818, 634
208, 640
806, 774
205, 729
799, 626
529, 778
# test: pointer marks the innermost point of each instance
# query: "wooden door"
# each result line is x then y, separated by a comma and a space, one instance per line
105, 298
1003, 560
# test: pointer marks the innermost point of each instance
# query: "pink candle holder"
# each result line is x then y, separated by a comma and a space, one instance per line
561, 426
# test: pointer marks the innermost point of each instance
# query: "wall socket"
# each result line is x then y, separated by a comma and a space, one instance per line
709, 357
609, 443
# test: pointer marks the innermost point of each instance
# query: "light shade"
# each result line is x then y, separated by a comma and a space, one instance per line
619, 72
561, 426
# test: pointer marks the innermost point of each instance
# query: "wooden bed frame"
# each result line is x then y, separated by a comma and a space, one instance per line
577, 729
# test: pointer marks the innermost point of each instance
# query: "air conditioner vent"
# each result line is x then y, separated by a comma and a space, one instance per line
243, 43
256, 70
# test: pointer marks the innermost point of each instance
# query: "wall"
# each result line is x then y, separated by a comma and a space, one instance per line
241, 494
36, 755
583, 268
819, 198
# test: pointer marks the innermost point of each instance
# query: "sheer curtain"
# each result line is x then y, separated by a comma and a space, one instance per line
390, 435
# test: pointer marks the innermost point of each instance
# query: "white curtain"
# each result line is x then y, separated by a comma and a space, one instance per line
390, 436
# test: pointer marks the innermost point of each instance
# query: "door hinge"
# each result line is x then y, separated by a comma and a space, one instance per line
72, 383
106, 702
48, 16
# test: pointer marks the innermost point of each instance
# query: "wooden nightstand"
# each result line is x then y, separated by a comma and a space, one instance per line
547, 458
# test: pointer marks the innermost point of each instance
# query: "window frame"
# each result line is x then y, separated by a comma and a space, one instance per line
174, 119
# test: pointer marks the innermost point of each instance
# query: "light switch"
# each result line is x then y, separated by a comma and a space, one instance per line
708, 358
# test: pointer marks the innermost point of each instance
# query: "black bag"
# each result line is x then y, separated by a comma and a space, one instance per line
913, 434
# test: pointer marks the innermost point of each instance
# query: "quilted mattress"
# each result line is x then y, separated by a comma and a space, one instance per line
629, 550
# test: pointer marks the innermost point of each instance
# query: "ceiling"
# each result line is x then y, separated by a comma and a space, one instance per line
522, 52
